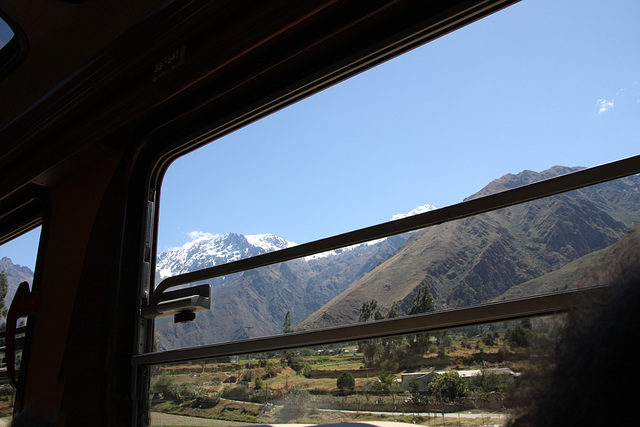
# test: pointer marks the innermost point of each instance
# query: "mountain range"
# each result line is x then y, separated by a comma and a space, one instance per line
254, 303
478, 259
516, 251
584, 237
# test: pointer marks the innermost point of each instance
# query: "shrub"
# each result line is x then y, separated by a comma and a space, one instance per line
204, 402
258, 384
298, 364
271, 372
247, 376
489, 339
346, 381
164, 384
486, 382
519, 336
239, 392
296, 404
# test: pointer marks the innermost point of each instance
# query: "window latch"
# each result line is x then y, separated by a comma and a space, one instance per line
181, 303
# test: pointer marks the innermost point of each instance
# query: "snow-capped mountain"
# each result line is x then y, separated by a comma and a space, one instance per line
208, 250
416, 211
260, 298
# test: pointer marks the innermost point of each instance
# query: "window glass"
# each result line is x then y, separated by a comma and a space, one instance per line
467, 377
530, 93
540, 370
525, 89
6, 33
470, 114
578, 239
17, 265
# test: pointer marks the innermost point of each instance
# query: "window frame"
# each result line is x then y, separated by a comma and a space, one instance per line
15, 51
486, 313
19, 214
196, 128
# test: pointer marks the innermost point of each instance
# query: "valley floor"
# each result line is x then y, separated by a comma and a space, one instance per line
462, 418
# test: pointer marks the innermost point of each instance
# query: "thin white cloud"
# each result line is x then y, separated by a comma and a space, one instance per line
195, 235
604, 105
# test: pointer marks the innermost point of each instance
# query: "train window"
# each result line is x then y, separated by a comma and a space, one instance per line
551, 244
12, 44
464, 376
400, 202
17, 265
428, 128
6, 33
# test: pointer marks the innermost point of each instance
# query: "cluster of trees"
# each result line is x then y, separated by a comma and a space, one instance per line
447, 387
297, 363
286, 326
451, 387
521, 335
393, 354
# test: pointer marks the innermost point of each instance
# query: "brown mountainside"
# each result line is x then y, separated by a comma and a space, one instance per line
480, 258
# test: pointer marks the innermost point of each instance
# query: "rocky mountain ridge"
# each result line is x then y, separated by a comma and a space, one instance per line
255, 302
16, 274
478, 259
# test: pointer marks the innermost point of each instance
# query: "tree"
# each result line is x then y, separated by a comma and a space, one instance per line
422, 303
519, 336
490, 338
386, 381
287, 329
448, 387
371, 348
443, 342
394, 311
346, 382
298, 364
392, 345
369, 309
486, 382
4, 288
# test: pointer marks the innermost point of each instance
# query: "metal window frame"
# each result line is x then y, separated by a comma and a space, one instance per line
480, 314
511, 310
20, 340
20, 213
15, 51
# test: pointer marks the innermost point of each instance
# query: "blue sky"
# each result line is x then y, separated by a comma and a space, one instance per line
6, 33
539, 84
518, 90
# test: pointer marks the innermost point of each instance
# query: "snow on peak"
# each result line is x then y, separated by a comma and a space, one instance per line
197, 237
269, 242
416, 211
207, 250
